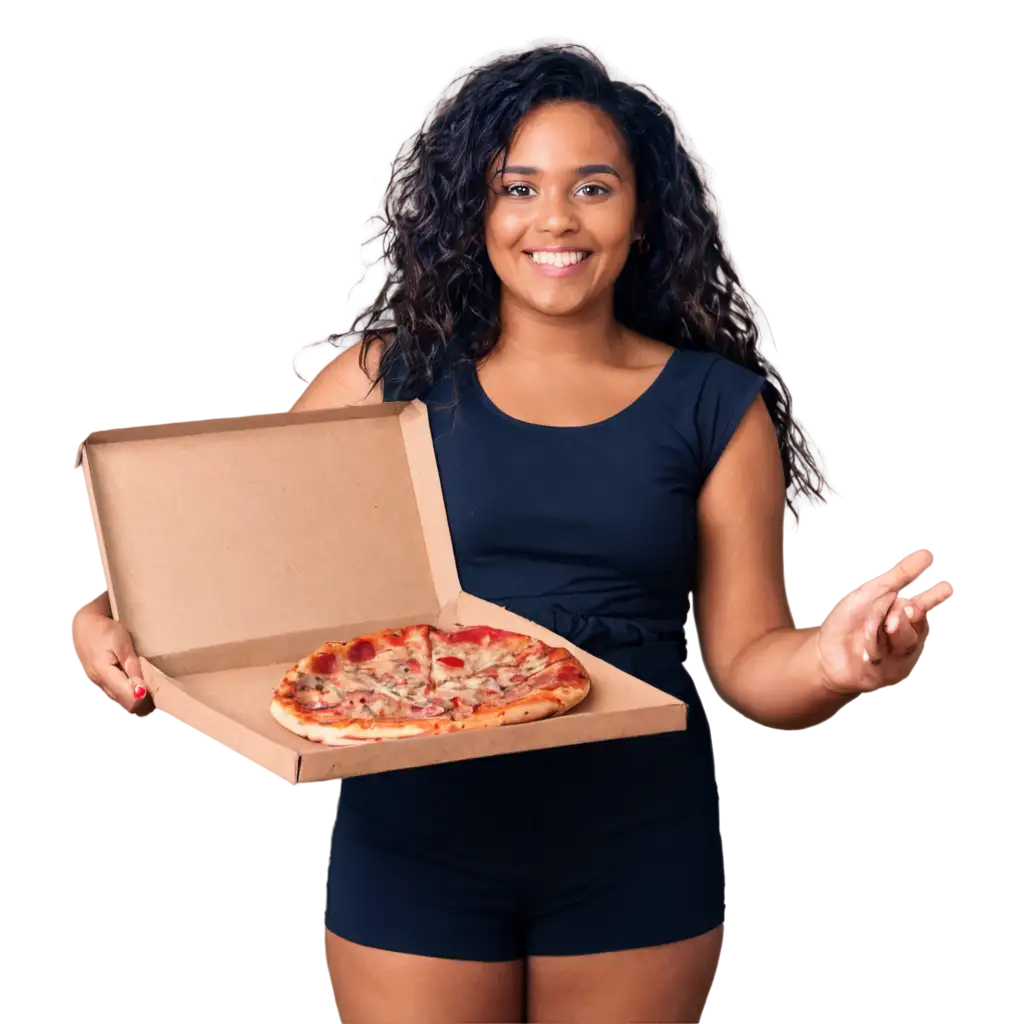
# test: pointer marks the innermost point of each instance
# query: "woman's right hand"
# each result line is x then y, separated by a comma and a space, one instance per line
107, 653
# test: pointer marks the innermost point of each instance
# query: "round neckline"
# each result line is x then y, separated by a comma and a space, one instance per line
570, 428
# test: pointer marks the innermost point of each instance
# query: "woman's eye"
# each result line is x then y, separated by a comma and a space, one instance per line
510, 190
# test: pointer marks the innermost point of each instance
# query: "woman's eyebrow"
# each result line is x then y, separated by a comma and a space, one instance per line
585, 169
598, 169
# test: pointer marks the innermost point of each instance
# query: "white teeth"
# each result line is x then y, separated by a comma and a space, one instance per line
558, 259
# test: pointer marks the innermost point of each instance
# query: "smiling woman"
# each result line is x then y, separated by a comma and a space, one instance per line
610, 440
561, 301
544, 151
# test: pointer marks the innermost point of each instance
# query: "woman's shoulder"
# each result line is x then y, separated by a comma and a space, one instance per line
346, 380
645, 351
702, 397
706, 373
694, 370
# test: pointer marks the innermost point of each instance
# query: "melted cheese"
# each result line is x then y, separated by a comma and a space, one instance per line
392, 683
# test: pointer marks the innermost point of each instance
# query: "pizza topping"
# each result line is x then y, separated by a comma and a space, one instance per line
531, 662
361, 650
518, 692
323, 663
388, 692
466, 703
426, 710
411, 681
478, 635
319, 697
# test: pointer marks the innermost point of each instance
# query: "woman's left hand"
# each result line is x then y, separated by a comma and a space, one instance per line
874, 637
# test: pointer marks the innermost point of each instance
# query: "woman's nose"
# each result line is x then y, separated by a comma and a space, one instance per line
556, 213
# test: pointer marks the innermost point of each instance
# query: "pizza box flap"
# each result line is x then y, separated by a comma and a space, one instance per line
235, 542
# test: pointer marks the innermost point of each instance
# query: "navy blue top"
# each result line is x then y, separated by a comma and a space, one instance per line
591, 532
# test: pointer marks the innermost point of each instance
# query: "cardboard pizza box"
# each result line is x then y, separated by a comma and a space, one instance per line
232, 548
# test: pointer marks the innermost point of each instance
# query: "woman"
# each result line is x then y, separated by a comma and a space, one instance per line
608, 443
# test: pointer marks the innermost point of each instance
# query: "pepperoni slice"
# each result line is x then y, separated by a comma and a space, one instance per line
323, 664
566, 674
452, 662
360, 651
478, 634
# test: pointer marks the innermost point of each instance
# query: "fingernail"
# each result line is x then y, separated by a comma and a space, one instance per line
867, 657
891, 625
909, 610
139, 692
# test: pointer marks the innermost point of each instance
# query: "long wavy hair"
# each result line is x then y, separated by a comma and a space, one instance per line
441, 295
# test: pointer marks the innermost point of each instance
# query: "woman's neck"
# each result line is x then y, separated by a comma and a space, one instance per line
532, 336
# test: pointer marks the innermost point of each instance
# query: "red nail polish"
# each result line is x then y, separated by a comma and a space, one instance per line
139, 692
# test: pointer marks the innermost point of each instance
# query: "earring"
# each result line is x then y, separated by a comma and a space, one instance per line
642, 245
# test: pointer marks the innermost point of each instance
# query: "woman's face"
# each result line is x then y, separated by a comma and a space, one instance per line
560, 219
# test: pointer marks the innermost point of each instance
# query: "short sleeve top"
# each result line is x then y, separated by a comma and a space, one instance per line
591, 532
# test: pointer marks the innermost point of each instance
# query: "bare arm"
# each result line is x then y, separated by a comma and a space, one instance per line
342, 382
757, 661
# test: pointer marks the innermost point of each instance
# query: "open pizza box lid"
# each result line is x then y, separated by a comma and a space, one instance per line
233, 548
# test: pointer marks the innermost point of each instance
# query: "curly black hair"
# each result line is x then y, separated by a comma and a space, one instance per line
441, 296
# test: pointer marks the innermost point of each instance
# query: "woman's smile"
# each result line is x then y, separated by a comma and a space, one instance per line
558, 262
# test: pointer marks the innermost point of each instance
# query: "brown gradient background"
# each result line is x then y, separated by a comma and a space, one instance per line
178, 195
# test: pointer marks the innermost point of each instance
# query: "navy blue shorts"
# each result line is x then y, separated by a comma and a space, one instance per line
508, 887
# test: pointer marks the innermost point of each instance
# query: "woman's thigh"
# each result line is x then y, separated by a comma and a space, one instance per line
377, 986
667, 983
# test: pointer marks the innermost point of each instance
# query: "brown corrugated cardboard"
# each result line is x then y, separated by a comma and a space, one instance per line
234, 547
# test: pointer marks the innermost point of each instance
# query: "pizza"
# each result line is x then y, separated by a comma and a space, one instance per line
423, 681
